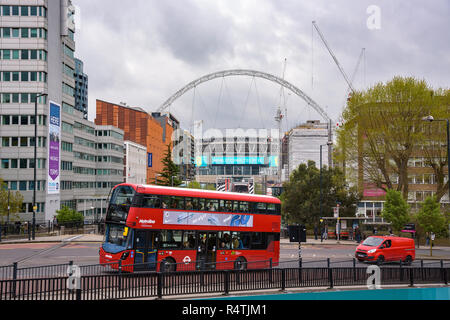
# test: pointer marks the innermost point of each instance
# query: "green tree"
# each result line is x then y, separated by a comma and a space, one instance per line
301, 197
15, 201
194, 185
169, 175
430, 218
383, 127
396, 210
67, 216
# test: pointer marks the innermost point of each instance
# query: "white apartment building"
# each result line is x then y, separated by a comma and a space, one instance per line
136, 160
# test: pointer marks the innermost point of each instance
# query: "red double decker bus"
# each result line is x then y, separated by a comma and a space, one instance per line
148, 227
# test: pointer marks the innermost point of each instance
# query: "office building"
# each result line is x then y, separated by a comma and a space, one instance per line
81, 88
37, 57
153, 131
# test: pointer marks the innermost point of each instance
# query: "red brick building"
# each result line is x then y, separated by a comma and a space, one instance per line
151, 130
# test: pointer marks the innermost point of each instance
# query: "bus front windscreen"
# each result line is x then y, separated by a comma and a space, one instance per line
117, 238
120, 204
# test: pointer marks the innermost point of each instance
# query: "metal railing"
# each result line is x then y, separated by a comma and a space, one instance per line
15, 271
181, 283
113, 281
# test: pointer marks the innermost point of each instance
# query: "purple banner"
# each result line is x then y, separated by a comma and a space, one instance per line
54, 132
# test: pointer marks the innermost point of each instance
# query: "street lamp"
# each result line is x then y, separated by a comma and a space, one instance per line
430, 118
33, 233
329, 143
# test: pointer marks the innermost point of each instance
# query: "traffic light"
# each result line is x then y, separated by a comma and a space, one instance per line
297, 233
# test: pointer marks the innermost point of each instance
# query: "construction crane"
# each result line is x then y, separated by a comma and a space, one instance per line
334, 57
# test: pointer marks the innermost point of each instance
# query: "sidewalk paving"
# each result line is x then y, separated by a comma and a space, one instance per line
57, 238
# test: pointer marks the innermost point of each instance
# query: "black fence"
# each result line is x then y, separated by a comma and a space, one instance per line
125, 285
23, 229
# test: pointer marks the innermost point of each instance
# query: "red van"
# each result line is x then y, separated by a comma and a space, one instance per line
380, 249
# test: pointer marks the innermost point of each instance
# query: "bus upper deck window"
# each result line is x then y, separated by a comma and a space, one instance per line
123, 196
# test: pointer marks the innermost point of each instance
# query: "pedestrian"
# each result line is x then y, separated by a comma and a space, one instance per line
427, 239
315, 232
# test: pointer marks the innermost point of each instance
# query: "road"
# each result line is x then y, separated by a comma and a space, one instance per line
86, 253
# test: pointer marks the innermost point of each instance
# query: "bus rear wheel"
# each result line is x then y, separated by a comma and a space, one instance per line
168, 265
240, 264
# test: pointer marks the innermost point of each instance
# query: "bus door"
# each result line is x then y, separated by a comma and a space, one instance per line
145, 250
206, 250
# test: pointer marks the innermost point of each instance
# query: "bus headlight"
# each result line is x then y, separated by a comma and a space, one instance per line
125, 255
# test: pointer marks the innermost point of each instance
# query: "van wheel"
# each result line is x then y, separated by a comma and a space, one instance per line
408, 260
380, 260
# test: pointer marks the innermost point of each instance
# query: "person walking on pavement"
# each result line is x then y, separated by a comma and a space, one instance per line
315, 232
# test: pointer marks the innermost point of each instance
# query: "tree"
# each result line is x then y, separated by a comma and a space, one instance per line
15, 201
169, 175
67, 216
396, 210
430, 218
382, 130
301, 196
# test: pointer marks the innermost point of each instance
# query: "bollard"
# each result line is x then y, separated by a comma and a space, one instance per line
0, 233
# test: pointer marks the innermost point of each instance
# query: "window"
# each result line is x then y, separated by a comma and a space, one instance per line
189, 239
271, 208
212, 205
24, 11
33, 76
23, 141
244, 206
259, 240
260, 208
22, 185
6, 32
5, 141
240, 240
6, 10
24, 32
115, 235
23, 163
6, 76
171, 239
24, 120
5, 163
6, 54
224, 239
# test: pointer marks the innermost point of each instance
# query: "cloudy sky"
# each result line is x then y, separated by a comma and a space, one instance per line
143, 51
